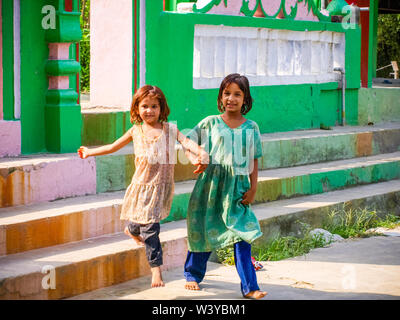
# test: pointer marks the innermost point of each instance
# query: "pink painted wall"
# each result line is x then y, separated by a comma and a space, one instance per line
111, 58
10, 138
302, 12
233, 8
45, 178
270, 7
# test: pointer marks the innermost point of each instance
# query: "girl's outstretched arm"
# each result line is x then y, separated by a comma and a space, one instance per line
250, 195
196, 154
85, 152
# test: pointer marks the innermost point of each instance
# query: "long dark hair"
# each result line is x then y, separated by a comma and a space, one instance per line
243, 84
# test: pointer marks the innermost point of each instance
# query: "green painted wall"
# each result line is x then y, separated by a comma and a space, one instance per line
169, 65
378, 105
7, 22
171, 5
104, 128
72, 55
34, 81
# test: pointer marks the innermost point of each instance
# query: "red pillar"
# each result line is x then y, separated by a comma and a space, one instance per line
68, 5
364, 21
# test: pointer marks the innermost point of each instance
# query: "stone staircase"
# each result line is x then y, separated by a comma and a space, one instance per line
60, 233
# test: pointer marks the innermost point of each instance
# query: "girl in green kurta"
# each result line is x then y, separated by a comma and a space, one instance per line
219, 212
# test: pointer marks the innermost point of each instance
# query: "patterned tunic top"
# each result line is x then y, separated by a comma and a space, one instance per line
216, 217
148, 198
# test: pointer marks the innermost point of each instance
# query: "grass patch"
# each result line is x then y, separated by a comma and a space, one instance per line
288, 247
346, 223
355, 223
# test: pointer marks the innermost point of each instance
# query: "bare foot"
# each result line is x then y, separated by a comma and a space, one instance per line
156, 279
257, 294
137, 239
192, 285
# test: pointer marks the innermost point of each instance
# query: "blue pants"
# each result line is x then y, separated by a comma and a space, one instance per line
196, 265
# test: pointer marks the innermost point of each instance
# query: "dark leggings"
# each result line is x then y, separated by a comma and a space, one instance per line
149, 233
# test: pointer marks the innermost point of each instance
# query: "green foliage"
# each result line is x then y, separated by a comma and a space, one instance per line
279, 248
388, 43
288, 247
85, 60
355, 223
84, 54
346, 223
226, 255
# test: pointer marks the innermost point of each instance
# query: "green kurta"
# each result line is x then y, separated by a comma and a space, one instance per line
216, 217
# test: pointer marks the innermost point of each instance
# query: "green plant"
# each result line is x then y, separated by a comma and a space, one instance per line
391, 221
225, 255
346, 223
388, 43
85, 60
279, 248
288, 247
355, 223
84, 52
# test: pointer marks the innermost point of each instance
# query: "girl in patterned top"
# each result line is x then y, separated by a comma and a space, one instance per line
148, 198
219, 212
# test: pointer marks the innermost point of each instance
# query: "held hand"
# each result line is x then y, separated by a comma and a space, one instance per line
204, 158
249, 196
83, 152
202, 162
200, 168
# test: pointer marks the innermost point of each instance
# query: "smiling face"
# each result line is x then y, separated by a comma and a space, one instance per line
149, 110
149, 97
232, 98
237, 84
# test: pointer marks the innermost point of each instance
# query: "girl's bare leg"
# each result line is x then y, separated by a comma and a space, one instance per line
156, 279
137, 239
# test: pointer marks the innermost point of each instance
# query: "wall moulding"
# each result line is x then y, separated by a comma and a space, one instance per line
287, 9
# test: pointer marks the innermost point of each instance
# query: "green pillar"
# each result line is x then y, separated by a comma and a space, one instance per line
62, 112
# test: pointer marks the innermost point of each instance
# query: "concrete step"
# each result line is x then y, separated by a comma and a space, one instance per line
327, 176
75, 268
293, 148
24, 228
40, 225
37, 178
317, 275
280, 150
47, 177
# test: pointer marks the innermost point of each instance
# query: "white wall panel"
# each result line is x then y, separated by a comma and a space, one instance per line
265, 56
